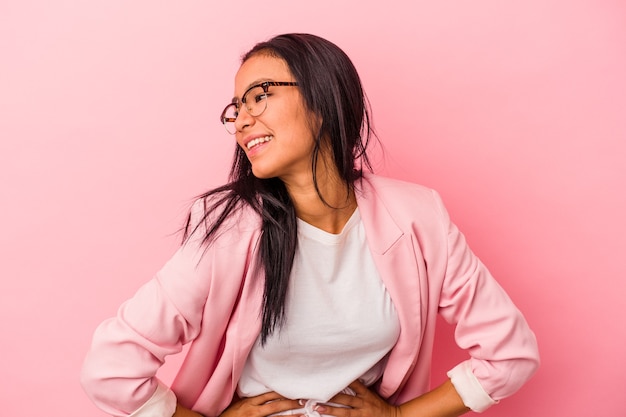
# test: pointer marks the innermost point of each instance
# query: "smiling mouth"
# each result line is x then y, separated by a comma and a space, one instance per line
258, 141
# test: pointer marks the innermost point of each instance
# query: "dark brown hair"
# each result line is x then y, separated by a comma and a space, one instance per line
332, 90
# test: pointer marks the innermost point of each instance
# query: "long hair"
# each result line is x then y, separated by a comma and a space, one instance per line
332, 91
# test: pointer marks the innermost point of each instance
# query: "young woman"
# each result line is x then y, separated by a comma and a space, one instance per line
307, 285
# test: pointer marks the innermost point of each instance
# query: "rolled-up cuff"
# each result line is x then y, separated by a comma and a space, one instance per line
471, 392
161, 404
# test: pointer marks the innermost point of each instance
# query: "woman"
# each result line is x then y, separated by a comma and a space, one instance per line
307, 286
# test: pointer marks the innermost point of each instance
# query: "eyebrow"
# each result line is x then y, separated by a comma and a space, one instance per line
235, 99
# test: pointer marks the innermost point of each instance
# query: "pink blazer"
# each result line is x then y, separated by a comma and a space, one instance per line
211, 298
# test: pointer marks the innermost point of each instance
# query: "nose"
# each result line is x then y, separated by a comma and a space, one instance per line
244, 119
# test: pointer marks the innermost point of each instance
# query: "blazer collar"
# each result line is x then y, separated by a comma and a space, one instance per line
376, 217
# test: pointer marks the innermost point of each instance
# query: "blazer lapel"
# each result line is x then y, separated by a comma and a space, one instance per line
396, 259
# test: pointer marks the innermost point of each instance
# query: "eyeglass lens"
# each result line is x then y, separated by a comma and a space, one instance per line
255, 101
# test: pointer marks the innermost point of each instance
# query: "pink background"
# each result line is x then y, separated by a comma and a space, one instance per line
514, 111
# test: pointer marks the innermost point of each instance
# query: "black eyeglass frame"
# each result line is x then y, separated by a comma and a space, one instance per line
265, 85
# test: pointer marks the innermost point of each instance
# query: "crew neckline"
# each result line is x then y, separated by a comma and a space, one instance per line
312, 232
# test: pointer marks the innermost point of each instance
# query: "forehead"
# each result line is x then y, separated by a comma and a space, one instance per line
259, 68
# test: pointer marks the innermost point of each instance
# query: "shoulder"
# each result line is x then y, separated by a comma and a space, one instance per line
221, 216
391, 186
411, 207
398, 195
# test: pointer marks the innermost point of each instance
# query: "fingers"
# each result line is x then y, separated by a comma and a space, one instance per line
346, 400
359, 401
272, 402
278, 406
364, 402
358, 387
263, 398
356, 390
261, 406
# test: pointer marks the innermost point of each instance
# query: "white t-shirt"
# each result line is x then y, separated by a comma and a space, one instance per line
340, 320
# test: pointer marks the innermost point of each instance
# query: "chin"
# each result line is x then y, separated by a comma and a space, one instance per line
262, 175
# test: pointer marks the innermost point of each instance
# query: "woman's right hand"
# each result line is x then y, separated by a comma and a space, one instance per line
260, 406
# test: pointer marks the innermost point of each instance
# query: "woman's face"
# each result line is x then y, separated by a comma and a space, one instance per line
279, 142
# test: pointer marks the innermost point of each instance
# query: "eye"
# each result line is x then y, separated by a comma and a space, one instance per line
260, 97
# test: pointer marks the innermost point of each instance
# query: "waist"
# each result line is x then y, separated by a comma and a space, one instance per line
309, 408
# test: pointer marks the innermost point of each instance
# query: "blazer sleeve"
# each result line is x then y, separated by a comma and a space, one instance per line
127, 350
503, 349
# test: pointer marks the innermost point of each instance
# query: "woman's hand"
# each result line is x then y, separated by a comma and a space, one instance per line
365, 403
443, 401
260, 406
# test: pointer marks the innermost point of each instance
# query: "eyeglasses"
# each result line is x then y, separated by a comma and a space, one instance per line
255, 100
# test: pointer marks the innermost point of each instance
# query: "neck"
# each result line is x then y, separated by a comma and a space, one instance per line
330, 214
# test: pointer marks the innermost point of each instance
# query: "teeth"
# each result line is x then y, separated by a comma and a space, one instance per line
257, 141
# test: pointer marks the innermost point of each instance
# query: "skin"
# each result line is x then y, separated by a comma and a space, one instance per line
288, 157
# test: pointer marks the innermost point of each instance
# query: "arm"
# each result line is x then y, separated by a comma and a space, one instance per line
119, 372
443, 401
502, 348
